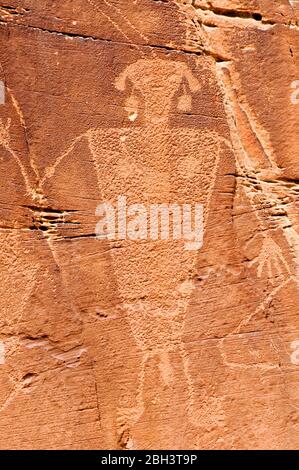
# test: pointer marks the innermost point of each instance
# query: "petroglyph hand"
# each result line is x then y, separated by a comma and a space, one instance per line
271, 260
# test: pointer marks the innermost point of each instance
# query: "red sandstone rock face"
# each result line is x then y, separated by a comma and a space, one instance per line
137, 342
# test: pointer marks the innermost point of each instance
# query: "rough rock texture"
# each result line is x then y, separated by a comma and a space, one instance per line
141, 344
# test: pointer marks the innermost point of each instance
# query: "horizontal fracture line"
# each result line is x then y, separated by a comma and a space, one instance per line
105, 40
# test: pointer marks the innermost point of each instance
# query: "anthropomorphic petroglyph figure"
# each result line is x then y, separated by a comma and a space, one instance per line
31, 290
149, 162
152, 163
273, 198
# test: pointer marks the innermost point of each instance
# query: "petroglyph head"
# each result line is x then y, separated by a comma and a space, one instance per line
156, 81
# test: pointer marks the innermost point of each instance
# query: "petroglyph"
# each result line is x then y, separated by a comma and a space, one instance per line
2, 92
250, 170
2, 353
262, 168
157, 322
103, 105
187, 166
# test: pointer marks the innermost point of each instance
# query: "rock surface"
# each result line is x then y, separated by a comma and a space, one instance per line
127, 343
